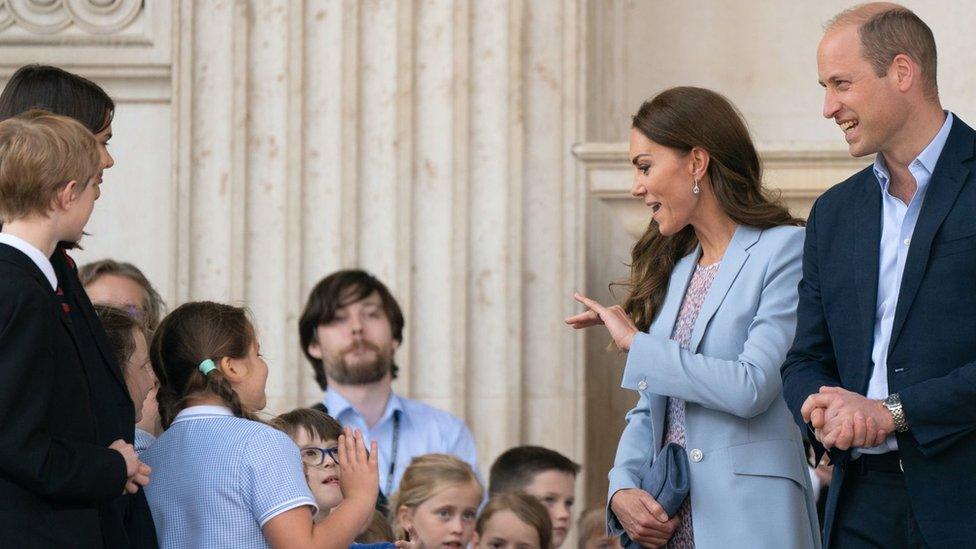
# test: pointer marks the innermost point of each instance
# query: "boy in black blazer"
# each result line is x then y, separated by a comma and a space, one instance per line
53, 474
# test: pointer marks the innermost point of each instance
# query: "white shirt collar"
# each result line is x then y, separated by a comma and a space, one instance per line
202, 411
43, 262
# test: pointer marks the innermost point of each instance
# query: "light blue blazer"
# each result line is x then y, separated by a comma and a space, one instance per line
750, 485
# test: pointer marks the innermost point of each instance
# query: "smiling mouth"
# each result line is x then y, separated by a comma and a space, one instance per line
655, 206
332, 481
451, 544
849, 125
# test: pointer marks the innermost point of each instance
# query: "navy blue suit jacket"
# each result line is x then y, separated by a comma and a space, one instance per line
933, 344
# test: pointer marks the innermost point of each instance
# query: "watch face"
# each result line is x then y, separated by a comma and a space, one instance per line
893, 400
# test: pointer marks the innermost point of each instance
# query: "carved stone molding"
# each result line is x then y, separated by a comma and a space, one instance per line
61, 21
124, 45
800, 171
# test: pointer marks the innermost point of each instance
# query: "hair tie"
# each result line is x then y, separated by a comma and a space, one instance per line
207, 366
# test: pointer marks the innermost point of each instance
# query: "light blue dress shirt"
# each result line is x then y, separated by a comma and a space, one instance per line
897, 226
218, 479
423, 430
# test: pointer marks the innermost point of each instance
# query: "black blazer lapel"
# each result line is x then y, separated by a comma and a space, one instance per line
67, 273
947, 180
19, 258
13, 255
867, 243
95, 326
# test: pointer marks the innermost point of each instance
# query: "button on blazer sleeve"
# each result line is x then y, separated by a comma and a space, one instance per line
744, 387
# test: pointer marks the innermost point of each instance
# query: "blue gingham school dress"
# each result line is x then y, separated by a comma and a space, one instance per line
217, 479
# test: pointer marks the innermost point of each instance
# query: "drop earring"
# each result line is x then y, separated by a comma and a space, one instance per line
696, 189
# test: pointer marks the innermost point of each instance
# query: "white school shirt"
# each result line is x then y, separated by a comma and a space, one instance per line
217, 479
43, 262
897, 227
423, 430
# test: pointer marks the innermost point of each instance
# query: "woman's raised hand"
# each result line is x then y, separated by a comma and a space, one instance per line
622, 329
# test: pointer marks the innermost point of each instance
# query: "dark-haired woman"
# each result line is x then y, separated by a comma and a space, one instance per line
67, 94
710, 315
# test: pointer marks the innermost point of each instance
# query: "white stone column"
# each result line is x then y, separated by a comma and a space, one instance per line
427, 141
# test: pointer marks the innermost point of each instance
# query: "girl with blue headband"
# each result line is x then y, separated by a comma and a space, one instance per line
221, 478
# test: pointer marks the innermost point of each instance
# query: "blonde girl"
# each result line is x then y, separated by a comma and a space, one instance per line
437, 503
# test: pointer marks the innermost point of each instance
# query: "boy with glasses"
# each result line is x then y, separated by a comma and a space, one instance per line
317, 436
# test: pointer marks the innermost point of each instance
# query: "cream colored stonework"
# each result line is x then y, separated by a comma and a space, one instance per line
469, 153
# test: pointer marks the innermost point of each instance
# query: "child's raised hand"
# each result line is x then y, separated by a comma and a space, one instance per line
358, 473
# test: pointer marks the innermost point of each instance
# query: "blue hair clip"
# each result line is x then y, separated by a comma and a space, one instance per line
207, 366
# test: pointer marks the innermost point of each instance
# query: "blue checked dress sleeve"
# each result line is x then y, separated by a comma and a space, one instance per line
272, 476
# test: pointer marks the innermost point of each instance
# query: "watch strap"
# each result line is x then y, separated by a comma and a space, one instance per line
893, 404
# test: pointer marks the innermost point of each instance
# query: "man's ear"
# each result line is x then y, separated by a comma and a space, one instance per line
314, 349
904, 70
66, 196
395, 345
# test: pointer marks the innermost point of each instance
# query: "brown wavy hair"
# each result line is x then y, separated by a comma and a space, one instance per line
684, 118
192, 333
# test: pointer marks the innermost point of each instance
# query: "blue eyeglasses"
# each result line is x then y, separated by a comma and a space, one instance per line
315, 456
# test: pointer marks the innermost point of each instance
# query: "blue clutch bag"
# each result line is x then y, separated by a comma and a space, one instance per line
667, 481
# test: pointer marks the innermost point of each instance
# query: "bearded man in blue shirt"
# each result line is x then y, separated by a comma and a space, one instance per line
350, 329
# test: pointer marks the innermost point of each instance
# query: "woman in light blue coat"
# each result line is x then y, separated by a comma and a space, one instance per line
707, 323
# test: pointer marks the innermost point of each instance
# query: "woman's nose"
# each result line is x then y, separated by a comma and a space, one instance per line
637, 190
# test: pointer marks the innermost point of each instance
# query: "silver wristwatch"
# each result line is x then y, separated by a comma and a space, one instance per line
893, 404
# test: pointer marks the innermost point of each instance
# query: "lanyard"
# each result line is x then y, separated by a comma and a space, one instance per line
394, 448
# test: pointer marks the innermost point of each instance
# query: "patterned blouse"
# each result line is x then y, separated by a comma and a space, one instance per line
674, 418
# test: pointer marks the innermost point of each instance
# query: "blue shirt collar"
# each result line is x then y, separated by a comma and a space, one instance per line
337, 405
926, 159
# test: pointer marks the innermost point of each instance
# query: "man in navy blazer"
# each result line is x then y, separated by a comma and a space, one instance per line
881, 373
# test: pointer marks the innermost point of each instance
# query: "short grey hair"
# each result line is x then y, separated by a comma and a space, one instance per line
152, 302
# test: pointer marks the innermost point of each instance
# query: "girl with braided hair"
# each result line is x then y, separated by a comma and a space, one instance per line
221, 477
